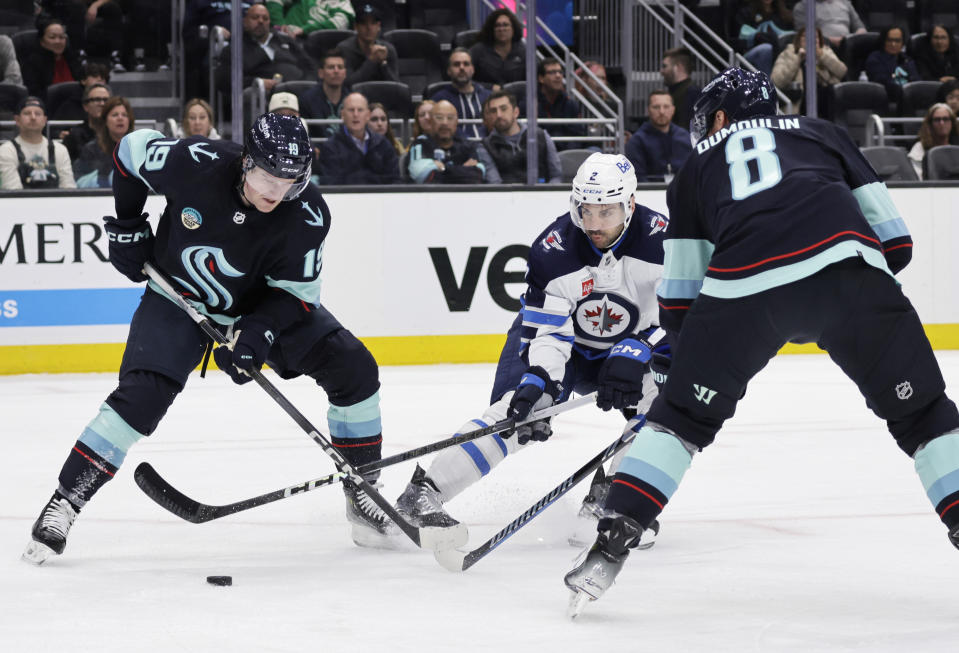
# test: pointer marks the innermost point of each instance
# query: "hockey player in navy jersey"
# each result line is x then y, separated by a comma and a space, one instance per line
591, 282
780, 231
242, 237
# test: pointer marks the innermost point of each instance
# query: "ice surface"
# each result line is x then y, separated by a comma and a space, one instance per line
803, 528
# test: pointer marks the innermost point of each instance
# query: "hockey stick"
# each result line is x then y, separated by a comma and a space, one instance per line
158, 489
456, 560
426, 537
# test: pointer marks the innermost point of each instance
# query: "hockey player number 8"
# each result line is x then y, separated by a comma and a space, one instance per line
763, 152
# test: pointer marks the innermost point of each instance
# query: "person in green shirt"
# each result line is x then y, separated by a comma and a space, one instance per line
299, 17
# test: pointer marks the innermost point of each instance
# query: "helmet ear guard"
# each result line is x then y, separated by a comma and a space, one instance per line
280, 146
603, 179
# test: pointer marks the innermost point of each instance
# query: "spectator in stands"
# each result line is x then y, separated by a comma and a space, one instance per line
583, 79
9, 66
498, 55
197, 120
72, 108
214, 15
837, 19
949, 93
325, 100
369, 58
423, 118
789, 68
937, 57
94, 167
299, 17
939, 127
447, 157
675, 69
95, 96
94, 26
659, 148
380, 124
889, 65
760, 23
468, 97
50, 61
286, 104
506, 144
271, 56
355, 154
30, 160
554, 102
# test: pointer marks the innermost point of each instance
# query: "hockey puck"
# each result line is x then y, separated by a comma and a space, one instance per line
223, 581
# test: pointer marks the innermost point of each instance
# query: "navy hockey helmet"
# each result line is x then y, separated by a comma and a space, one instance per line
740, 93
280, 145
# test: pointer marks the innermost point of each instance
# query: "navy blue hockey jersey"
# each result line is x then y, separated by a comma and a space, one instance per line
581, 298
769, 201
226, 256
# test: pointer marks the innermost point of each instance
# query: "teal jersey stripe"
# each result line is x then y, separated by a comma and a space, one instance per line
109, 435
937, 465
686, 258
727, 289
877, 205
679, 289
308, 291
658, 458
133, 151
354, 429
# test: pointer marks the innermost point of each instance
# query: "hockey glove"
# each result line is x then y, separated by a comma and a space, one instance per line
536, 390
621, 375
131, 245
247, 351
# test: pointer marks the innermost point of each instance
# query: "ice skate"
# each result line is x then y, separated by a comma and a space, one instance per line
591, 511
370, 526
954, 536
421, 505
600, 565
49, 534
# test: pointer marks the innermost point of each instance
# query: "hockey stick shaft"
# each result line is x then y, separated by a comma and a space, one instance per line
158, 489
351, 475
455, 560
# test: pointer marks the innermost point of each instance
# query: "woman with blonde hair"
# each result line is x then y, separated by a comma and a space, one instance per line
94, 167
939, 127
197, 120
423, 118
380, 123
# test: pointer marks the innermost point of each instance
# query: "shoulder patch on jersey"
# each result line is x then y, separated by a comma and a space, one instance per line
317, 220
552, 240
658, 222
191, 218
197, 148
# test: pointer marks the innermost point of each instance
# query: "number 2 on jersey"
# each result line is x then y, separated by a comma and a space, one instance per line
766, 169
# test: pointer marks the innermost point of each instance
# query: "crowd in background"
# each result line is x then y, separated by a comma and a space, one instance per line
467, 130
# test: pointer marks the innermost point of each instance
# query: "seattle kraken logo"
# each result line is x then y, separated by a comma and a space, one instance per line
202, 262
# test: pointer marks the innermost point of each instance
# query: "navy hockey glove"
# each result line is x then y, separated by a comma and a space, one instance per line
252, 339
131, 245
621, 375
536, 390
659, 366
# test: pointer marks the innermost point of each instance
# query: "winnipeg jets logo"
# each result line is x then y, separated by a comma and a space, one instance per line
553, 241
317, 220
658, 223
604, 318
197, 148
203, 263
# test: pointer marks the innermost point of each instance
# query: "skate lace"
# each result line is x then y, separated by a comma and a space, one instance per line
57, 518
368, 507
427, 500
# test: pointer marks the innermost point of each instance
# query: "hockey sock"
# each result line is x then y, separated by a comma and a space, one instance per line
457, 468
648, 475
356, 430
96, 456
937, 463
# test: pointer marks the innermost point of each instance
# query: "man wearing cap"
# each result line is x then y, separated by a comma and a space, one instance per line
31, 160
368, 58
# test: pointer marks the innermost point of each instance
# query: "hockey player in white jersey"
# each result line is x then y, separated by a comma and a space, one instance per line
590, 303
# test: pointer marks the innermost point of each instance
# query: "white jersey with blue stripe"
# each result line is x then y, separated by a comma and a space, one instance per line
584, 300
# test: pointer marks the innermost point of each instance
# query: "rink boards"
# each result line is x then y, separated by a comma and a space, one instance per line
419, 277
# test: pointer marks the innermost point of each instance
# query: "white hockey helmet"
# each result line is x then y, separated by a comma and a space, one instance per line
603, 179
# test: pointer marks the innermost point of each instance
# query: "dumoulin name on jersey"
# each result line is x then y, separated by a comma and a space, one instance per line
581, 298
226, 256
769, 201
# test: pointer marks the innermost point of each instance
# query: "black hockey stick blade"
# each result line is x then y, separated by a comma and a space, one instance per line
456, 560
168, 497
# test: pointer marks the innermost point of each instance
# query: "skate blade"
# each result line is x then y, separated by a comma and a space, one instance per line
450, 559
438, 539
370, 538
577, 601
36, 553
